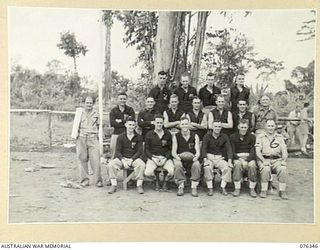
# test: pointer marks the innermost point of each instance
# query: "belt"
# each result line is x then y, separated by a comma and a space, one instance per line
88, 135
271, 157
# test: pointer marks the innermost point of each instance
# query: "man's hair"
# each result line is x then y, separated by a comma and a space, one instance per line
123, 93
216, 120
91, 96
244, 121
162, 73
271, 120
196, 98
184, 118
306, 105
174, 96
210, 74
244, 100
149, 97
158, 116
239, 74
185, 74
221, 96
130, 119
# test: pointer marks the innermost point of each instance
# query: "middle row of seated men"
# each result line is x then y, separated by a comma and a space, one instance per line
177, 152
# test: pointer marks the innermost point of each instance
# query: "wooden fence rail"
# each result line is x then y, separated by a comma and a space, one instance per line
50, 112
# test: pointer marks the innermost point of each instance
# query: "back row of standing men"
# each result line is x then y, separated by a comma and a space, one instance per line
170, 109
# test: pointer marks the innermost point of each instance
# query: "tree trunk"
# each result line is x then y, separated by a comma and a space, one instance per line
107, 70
198, 47
164, 42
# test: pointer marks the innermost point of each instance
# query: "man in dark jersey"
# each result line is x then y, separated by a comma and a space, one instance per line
239, 91
186, 152
208, 93
223, 115
161, 93
243, 148
172, 115
197, 118
185, 93
118, 116
243, 113
146, 117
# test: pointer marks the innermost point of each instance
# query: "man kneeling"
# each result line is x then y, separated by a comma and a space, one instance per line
127, 156
186, 152
158, 144
243, 147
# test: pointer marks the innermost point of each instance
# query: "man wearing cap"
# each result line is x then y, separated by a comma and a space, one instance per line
243, 148
271, 152
186, 152
161, 93
214, 144
128, 156
158, 145
263, 113
185, 93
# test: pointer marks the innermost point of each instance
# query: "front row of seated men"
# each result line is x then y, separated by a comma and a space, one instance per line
179, 154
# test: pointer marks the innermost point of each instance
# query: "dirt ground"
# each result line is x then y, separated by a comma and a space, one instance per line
38, 197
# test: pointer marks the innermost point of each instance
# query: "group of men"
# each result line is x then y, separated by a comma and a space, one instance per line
189, 134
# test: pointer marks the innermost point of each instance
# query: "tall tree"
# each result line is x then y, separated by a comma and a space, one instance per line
304, 77
71, 47
307, 30
199, 42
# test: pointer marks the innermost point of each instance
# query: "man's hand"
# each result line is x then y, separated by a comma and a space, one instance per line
206, 162
177, 157
195, 158
118, 120
283, 163
243, 162
125, 163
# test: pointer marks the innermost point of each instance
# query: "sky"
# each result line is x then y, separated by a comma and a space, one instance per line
35, 32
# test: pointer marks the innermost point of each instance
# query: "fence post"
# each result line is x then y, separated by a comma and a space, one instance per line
49, 129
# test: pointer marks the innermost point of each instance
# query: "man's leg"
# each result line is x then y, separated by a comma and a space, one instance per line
265, 175
150, 171
195, 177
113, 142
179, 176
208, 176
237, 175
139, 168
226, 175
252, 175
168, 173
94, 158
82, 155
113, 167
281, 172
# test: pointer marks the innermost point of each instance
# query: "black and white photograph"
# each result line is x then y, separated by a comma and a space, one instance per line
161, 116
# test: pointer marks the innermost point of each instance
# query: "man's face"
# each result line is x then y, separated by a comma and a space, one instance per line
196, 104
150, 103
162, 80
184, 125
210, 81
122, 100
131, 126
298, 109
243, 128
242, 106
265, 101
240, 80
88, 103
220, 102
216, 128
270, 126
174, 102
158, 123
185, 82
